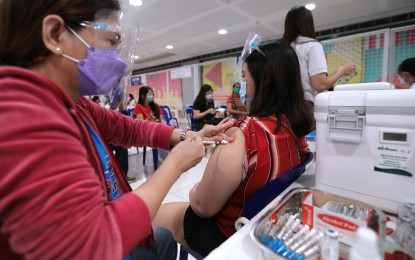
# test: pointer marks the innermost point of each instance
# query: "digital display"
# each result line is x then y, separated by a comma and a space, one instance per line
394, 137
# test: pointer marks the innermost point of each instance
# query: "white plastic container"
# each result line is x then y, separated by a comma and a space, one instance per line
366, 145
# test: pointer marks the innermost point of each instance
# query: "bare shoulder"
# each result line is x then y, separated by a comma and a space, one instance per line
234, 132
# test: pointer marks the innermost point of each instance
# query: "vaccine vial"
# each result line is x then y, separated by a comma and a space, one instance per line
407, 209
403, 226
330, 245
409, 244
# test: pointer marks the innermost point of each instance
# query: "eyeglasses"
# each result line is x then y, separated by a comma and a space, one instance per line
111, 33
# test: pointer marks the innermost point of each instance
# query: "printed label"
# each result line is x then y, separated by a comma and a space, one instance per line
393, 159
338, 222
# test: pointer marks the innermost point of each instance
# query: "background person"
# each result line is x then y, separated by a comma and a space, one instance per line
299, 32
147, 109
204, 111
96, 100
406, 71
120, 153
267, 143
131, 101
234, 105
63, 195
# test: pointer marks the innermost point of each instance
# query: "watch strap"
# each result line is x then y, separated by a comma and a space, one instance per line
183, 134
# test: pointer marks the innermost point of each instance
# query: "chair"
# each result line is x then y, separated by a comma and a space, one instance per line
155, 157
168, 117
190, 118
270, 191
155, 151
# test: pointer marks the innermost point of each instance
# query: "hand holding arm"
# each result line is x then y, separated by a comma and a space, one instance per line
210, 132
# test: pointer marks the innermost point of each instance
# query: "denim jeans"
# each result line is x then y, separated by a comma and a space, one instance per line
164, 248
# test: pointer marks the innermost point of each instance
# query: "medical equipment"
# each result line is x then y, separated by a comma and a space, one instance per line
366, 145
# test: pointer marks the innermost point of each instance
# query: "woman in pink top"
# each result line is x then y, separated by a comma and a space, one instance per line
62, 193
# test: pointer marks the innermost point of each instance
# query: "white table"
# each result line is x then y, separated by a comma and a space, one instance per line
240, 245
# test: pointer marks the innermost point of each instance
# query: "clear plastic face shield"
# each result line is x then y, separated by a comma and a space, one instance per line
251, 44
108, 64
126, 49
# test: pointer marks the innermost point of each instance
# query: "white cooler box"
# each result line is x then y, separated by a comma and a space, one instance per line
366, 146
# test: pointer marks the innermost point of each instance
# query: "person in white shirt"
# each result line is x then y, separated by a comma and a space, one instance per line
131, 101
406, 71
299, 32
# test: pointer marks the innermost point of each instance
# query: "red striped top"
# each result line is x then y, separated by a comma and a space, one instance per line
268, 155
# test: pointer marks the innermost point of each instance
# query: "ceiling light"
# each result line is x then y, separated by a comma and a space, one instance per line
135, 2
222, 31
136, 57
310, 6
169, 47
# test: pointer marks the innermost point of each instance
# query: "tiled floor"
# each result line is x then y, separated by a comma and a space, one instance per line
179, 191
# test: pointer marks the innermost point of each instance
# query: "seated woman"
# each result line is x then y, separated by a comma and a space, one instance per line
268, 142
204, 108
147, 109
131, 101
233, 103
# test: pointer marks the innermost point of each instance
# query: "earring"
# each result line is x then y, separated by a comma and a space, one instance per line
59, 50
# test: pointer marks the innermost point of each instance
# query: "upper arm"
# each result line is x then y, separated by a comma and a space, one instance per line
137, 110
140, 116
317, 67
196, 114
222, 176
161, 116
229, 106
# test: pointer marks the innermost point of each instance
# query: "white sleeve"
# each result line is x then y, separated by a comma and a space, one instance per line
316, 60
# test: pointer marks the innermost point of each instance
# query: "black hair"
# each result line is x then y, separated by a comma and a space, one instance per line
278, 87
141, 100
95, 98
201, 97
407, 65
299, 21
21, 42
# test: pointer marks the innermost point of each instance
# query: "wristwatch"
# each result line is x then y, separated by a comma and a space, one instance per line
183, 133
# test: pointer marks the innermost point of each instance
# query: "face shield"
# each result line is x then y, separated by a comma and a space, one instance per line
109, 59
127, 50
251, 44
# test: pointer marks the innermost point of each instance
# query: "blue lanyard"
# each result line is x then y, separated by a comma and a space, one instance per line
112, 186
